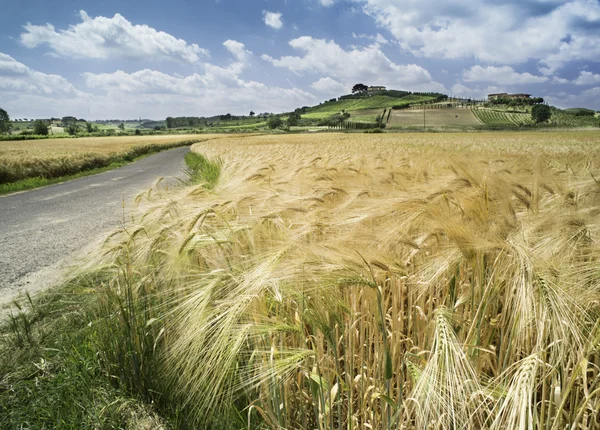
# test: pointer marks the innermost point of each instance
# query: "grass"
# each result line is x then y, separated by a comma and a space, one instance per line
50, 372
25, 164
353, 281
201, 170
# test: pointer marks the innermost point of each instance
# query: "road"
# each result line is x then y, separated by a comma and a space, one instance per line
42, 229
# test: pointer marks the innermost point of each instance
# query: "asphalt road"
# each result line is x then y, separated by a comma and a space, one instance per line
41, 229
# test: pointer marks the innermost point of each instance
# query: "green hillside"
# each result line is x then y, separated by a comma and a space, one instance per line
365, 103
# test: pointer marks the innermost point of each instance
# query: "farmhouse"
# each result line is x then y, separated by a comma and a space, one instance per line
376, 88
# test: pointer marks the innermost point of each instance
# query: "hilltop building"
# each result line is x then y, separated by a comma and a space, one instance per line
376, 88
507, 96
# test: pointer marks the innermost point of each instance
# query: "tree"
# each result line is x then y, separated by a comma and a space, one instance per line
68, 120
5, 124
89, 127
40, 127
252, 113
541, 113
169, 122
359, 88
294, 118
274, 122
73, 129
122, 127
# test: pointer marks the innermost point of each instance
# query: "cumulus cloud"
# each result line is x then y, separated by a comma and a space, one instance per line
505, 75
147, 93
326, 3
103, 37
368, 65
552, 32
589, 98
329, 86
587, 78
273, 19
16, 80
238, 50
217, 89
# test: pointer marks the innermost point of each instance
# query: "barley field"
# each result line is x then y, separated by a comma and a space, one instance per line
414, 281
51, 158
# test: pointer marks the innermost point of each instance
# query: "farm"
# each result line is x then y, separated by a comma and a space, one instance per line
366, 281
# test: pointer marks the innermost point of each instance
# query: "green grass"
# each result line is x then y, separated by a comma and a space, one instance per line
50, 370
202, 170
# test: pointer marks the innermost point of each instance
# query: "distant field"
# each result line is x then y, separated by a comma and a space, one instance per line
433, 117
495, 117
50, 158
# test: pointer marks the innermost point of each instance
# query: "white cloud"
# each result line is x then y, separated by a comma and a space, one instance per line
552, 32
148, 93
477, 92
587, 78
589, 98
326, 3
103, 37
16, 80
378, 38
504, 75
238, 50
273, 19
329, 86
368, 65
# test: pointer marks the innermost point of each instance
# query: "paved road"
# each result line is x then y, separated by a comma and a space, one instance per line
39, 229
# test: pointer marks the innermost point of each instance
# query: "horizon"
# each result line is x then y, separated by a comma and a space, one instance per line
151, 60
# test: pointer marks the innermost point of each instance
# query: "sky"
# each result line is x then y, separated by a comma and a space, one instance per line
151, 59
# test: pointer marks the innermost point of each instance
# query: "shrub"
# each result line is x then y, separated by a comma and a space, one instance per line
40, 127
274, 122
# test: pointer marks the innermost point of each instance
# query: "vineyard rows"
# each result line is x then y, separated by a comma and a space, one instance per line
493, 117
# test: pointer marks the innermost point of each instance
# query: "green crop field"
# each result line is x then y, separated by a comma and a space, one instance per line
433, 117
495, 117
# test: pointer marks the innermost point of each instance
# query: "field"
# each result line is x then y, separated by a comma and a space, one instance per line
496, 117
505, 117
365, 281
51, 158
433, 117
374, 102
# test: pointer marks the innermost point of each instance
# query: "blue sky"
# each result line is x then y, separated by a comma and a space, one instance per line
152, 59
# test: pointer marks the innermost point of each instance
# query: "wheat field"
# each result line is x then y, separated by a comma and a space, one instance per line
414, 281
50, 158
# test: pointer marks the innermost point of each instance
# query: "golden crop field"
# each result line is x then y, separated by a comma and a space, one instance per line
52, 158
410, 281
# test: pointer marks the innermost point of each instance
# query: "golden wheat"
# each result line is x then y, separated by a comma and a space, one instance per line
374, 281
